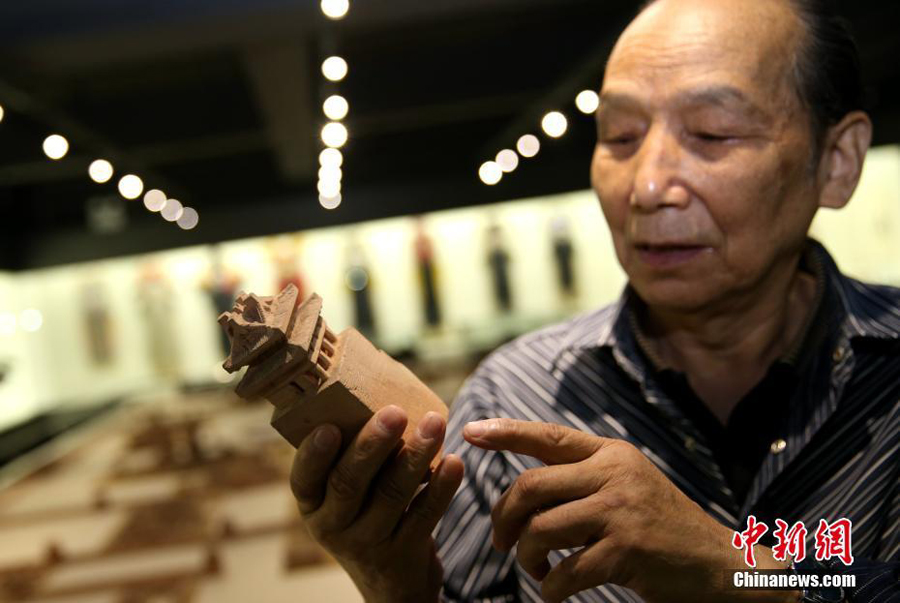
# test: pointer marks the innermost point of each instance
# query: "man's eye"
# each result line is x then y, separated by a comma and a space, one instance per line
623, 139
712, 137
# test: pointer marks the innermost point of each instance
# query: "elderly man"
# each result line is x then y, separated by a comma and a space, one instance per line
741, 376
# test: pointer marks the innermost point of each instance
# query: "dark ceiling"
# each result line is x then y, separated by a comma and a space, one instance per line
218, 102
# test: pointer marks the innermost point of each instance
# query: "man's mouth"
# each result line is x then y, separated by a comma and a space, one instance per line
665, 255
662, 247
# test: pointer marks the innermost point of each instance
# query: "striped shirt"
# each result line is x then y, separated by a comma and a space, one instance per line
840, 456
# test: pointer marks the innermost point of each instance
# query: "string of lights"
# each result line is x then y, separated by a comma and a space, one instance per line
130, 186
334, 133
554, 125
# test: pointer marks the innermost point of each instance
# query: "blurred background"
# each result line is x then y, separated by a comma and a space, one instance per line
423, 166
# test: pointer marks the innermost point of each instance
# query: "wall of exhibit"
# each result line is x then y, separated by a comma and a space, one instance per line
439, 285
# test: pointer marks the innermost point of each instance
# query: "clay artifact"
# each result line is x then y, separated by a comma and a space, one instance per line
311, 375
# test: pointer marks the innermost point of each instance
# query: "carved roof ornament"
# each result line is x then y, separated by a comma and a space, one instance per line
257, 325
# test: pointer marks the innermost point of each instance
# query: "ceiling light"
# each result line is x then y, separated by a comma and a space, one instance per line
330, 174
334, 68
31, 320
100, 171
330, 202
490, 173
336, 107
56, 146
1, 112
189, 219
130, 186
331, 158
357, 278
329, 188
172, 210
587, 101
507, 160
155, 200
335, 9
555, 124
528, 146
334, 134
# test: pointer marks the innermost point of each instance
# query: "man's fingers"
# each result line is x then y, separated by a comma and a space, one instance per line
550, 443
568, 526
432, 502
349, 481
590, 567
537, 489
312, 463
396, 485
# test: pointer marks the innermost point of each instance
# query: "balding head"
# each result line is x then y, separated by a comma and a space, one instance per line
753, 41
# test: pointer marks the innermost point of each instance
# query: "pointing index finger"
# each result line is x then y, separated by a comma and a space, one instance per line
550, 443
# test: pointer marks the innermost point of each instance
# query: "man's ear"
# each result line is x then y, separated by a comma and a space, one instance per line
842, 159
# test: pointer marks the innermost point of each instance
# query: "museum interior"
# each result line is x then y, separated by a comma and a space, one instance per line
422, 166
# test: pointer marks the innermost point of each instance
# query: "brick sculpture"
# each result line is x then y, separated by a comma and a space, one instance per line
311, 375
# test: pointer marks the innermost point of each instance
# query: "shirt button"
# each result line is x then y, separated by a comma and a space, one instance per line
778, 446
838, 355
690, 443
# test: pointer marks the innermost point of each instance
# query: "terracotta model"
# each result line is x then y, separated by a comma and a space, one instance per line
311, 375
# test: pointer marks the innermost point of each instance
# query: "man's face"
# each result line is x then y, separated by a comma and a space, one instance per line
703, 153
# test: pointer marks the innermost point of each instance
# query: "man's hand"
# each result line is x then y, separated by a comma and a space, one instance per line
633, 527
362, 505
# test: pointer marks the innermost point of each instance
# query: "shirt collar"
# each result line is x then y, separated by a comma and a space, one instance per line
596, 329
871, 311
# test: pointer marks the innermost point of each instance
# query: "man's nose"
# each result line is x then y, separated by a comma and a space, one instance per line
658, 180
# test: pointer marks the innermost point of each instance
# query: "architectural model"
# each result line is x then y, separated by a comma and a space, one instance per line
311, 375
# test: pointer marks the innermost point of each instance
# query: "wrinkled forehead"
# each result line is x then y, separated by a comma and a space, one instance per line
749, 44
